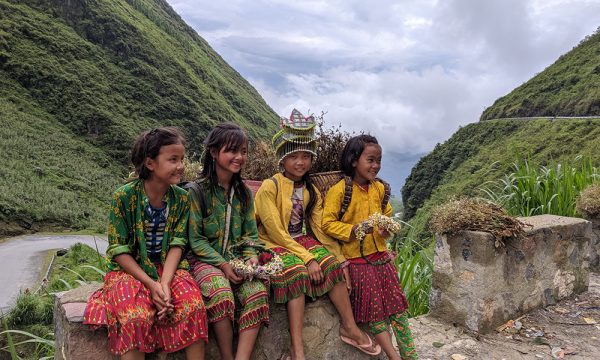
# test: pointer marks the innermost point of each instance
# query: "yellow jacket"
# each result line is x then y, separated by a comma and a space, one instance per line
361, 206
273, 213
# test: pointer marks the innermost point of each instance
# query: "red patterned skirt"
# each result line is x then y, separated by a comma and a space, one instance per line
218, 294
376, 292
294, 281
125, 306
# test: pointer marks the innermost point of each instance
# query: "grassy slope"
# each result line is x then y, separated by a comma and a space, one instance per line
92, 74
485, 151
47, 174
569, 87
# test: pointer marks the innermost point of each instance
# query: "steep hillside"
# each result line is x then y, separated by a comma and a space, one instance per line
569, 87
485, 151
80, 78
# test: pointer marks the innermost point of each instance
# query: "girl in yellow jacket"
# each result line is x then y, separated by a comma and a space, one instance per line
376, 295
289, 210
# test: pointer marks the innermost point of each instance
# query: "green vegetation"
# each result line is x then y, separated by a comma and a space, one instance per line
569, 87
485, 151
530, 190
48, 175
78, 80
415, 269
31, 317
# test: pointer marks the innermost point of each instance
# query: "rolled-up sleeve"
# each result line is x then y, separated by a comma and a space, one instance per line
180, 236
120, 240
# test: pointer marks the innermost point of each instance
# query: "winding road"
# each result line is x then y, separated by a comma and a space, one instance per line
21, 260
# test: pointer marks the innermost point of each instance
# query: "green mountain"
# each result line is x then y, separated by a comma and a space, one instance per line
79, 79
485, 151
569, 87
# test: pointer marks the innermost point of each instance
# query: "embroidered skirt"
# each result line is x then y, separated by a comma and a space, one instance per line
376, 293
252, 296
125, 306
294, 281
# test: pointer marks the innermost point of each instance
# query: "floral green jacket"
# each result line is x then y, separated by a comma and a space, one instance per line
126, 225
206, 234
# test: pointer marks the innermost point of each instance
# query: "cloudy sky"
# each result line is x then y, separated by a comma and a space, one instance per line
411, 72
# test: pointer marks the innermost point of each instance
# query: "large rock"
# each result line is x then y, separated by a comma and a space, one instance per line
75, 341
480, 287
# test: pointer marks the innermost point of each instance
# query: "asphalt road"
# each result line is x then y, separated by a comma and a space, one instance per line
21, 260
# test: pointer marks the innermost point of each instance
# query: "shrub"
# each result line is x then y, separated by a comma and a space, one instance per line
330, 143
192, 169
262, 162
31, 309
476, 215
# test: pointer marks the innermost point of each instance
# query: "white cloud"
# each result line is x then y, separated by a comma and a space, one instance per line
410, 72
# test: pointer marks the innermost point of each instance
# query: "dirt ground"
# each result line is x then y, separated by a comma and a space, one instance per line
567, 330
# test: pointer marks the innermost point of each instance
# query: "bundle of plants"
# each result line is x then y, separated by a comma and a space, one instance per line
262, 162
588, 203
476, 215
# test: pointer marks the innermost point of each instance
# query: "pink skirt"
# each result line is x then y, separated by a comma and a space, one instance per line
376, 292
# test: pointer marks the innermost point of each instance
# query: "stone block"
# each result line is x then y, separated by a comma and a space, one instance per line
76, 341
480, 287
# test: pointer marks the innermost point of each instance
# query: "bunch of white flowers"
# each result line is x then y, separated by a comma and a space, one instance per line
376, 220
263, 272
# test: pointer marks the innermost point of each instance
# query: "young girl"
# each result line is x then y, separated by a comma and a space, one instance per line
149, 301
376, 295
222, 226
289, 212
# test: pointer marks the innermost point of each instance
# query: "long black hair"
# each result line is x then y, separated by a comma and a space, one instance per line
311, 192
352, 151
148, 144
232, 138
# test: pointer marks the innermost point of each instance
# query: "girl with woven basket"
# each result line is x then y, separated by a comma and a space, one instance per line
289, 210
351, 205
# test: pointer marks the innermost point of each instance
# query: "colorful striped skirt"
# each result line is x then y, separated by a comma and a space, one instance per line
252, 297
376, 292
125, 306
294, 281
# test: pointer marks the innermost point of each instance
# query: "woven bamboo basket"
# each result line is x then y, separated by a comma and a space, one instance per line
324, 180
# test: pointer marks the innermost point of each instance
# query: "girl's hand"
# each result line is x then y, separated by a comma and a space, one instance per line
314, 272
230, 274
383, 233
158, 296
253, 261
346, 273
169, 308
368, 229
